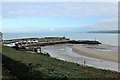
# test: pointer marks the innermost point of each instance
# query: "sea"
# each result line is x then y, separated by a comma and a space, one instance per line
104, 38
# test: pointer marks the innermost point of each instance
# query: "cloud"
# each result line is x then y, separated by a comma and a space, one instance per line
54, 9
105, 24
39, 29
86, 11
59, 0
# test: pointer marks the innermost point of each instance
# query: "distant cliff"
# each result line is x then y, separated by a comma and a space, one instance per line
107, 31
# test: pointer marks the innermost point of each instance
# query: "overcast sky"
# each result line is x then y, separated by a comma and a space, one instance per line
56, 16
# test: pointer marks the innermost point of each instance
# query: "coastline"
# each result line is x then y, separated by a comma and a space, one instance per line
77, 53
103, 55
41, 66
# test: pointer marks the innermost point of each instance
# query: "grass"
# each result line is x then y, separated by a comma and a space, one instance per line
49, 67
6, 75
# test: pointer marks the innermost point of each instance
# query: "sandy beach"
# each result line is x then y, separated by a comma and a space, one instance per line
95, 52
99, 56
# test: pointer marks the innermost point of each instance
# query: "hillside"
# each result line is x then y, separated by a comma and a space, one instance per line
26, 66
106, 31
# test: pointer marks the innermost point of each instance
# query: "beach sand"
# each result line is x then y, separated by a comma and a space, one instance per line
97, 53
105, 57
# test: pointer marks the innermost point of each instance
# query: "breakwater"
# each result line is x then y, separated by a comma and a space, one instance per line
34, 44
84, 42
48, 41
63, 42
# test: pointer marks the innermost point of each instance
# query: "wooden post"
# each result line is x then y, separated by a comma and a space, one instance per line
40, 50
84, 62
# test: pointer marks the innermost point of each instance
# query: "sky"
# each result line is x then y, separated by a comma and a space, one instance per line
58, 16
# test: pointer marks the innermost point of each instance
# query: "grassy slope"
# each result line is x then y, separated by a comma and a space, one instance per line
7, 75
53, 67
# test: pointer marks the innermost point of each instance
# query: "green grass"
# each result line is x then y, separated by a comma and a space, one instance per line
53, 68
6, 74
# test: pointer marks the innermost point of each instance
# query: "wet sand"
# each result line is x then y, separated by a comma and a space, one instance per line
79, 53
101, 51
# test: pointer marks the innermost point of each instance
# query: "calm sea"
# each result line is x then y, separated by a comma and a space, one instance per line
105, 38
